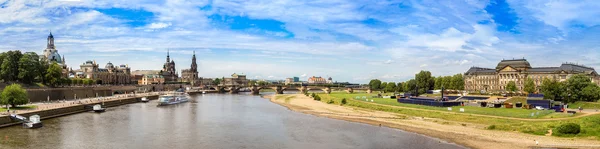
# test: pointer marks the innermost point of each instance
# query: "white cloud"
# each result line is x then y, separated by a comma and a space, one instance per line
159, 25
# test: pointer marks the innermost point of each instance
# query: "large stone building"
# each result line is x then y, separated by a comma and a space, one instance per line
191, 75
236, 79
148, 79
168, 71
518, 70
51, 55
110, 74
317, 80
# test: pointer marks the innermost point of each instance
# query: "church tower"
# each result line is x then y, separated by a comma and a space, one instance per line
50, 44
194, 65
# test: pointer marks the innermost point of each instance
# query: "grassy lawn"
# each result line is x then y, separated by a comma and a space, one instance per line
3, 109
590, 125
513, 112
585, 105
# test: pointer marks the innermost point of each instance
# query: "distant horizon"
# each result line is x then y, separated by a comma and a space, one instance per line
351, 41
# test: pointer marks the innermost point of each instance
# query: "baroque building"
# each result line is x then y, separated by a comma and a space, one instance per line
168, 72
51, 55
191, 75
110, 74
518, 70
236, 79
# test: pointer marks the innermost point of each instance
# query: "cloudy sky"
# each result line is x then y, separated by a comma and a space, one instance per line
349, 40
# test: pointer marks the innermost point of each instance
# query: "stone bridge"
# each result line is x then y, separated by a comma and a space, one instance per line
279, 89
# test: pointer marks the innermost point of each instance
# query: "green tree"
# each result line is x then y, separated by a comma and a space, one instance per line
410, 86
263, 83
529, 86
10, 66
390, 87
251, 82
591, 93
438, 83
43, 70
53, 75
217, 81
511, 86
424, 81
28, 67
458, 82
382, 86
400, 87
553, 89
67, 81
374, 84
13, 95
575, 86
2, 56
74, 81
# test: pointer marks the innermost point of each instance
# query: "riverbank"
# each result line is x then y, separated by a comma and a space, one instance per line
471, 135
56, 109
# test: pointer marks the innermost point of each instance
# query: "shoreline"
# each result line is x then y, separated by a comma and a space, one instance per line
463, 134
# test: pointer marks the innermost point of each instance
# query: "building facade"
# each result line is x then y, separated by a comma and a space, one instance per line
168, 71
110, 74
191, 75
51, 55
236, 79
518, 70
317, 80
148, 79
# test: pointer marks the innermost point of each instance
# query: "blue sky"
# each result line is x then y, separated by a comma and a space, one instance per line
349, 40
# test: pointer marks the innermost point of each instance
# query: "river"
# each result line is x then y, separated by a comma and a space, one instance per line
210, 121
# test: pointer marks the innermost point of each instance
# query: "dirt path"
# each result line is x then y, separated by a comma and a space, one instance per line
469, 135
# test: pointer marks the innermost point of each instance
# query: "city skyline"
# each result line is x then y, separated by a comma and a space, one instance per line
352, 41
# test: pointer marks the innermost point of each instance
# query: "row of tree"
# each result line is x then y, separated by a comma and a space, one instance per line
423, 80
577, 88
28, 68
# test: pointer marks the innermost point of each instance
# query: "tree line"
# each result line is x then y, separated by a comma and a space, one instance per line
423, 80
28, 68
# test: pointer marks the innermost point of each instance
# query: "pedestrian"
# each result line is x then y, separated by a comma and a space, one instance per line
580, 109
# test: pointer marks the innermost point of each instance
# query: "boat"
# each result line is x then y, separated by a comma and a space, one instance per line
33, 121
203, 92
98, 108
173, 98
144, 99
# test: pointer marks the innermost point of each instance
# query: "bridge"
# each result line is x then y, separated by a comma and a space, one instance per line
279, 89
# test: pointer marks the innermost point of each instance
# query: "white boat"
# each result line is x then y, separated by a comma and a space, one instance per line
33, 121
173, 98
98, 108
144, 99
203, 92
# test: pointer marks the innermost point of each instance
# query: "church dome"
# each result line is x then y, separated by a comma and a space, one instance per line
109, 65
55, 57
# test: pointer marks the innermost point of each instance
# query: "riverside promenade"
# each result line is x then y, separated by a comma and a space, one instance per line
66, 107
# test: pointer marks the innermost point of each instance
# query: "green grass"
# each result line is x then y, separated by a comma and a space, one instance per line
585, 105
28, 107
512, 112
590, 125
517, 99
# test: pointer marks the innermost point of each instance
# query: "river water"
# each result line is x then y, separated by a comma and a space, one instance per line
210, 121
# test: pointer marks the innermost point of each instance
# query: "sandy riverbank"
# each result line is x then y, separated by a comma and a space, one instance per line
466, 134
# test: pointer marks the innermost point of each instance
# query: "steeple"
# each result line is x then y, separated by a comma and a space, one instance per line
168, 58
50, 41
63, 57
194, 66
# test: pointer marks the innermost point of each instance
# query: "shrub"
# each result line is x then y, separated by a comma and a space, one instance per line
330, 101
313, 95
317, 98
568, 128
491, 127
344, 101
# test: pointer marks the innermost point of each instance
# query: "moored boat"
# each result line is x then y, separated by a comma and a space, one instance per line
144, 99
98, 108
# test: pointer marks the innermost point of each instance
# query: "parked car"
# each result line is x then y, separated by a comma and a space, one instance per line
539, 108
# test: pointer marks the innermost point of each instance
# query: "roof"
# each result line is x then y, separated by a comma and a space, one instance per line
515, 63
544, 69
479, 70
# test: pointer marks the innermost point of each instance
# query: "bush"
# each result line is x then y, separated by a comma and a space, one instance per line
330, 101
491, 127
317, 98
344, 101
568, 128
313, 95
